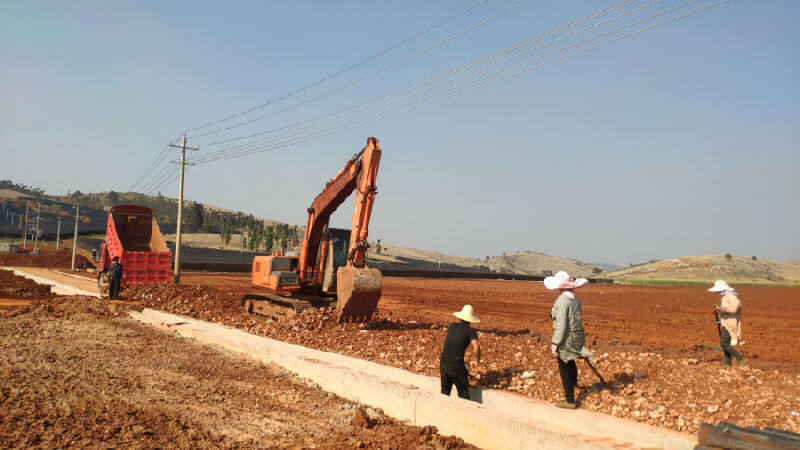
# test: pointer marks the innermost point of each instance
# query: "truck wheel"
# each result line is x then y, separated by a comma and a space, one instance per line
102, 284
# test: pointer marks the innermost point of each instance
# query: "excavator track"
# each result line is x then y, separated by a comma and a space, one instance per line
273, 305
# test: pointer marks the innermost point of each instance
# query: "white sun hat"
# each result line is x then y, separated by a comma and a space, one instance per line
719, 286
562, 280
467, 314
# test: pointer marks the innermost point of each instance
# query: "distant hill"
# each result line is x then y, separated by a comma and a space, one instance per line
535, 263
607, 267
713, 267
521, 263
794, 261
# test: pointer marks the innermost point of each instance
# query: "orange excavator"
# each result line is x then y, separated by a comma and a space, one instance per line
330, 262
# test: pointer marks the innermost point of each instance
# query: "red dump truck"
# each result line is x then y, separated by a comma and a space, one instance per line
132, 234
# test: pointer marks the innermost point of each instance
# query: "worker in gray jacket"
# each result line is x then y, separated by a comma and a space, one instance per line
568, 339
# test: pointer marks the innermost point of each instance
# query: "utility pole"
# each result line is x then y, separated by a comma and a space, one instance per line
25, 228
36, 241
75, 236
177, 271
58, 234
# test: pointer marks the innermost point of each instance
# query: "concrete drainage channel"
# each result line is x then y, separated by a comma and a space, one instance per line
497, 420
55, 286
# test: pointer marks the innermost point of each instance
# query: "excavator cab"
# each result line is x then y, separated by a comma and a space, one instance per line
338, 242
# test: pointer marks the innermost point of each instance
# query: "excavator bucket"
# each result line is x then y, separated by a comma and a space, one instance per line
358, 292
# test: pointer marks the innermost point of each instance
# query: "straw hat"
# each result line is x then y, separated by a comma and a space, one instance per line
719, 286
467, 314
562, 280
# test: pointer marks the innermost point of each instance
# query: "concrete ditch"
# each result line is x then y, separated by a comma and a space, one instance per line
496, 420
46, 277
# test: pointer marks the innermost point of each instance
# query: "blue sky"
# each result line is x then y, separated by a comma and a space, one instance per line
678, 141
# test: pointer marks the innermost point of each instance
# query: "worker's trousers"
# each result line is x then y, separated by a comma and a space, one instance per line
727, 348
569, 378
113, 288
454, 373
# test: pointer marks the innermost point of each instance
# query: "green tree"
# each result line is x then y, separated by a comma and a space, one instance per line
378, 246
196, 217
112, 198
728, 256
225, 232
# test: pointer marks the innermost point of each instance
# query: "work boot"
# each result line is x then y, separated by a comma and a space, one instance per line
566, 405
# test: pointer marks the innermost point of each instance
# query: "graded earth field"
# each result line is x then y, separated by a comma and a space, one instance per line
667, 319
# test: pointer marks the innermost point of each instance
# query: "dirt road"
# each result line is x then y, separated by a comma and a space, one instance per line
77, 372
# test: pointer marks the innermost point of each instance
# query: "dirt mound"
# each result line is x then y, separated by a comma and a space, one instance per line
713, 267
61, 260
68, 307
677, 392
15, 286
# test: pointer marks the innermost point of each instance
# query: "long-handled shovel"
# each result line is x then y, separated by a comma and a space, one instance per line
602, 381
716, 348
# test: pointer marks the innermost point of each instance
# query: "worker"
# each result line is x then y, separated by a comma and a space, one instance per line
730, 321
114, 278
460, 337
568, 339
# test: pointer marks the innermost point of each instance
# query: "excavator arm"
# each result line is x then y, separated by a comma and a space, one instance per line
358, 288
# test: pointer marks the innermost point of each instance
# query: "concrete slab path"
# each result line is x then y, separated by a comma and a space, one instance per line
62, 283
498, 420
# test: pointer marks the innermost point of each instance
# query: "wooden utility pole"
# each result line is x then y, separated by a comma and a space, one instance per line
75, 236
25, 228
58, 234
176, 278
36, 237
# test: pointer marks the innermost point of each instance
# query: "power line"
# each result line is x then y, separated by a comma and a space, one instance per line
370, 75
472, 64
397, 111
242, 147
442, 75
348, 68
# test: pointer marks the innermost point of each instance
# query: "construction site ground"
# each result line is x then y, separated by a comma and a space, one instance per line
643, 338
78, 372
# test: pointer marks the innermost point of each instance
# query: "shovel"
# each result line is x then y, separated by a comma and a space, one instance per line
719, 333
602, 381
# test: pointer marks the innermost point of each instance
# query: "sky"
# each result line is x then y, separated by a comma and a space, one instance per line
681, 140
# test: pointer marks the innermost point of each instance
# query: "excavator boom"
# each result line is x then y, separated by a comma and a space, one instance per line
358, 288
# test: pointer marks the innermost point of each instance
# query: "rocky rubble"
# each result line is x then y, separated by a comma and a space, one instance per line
672, 392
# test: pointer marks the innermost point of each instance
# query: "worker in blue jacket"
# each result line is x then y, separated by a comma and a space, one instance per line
114, 278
